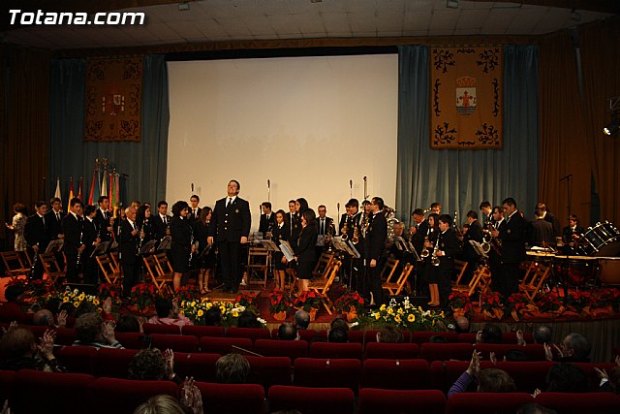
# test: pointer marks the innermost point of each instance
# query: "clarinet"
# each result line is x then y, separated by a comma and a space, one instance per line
79, 255
35, 260
191, 245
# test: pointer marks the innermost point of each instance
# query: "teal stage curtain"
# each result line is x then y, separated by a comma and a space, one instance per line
142, 164
461, 179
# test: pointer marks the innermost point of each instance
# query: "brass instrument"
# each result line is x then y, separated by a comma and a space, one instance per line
79, 255
425, 253
344, 232
356, 234
434, 258
489, 242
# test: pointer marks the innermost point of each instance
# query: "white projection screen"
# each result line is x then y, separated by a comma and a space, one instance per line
309, 125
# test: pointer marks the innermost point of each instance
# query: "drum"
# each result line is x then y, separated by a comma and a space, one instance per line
576, 271
599, 236
609, 270
540, 257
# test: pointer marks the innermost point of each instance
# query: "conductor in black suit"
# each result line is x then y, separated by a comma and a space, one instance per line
231, 224
448, 248
37, 236
513, 236
376, 236
129, 239
469, 253
73, 245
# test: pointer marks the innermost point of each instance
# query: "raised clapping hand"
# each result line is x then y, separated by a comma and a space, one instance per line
169, 362
62, 319
107, 331
191, 397
46, 344
549, 351
474, 364
520, 338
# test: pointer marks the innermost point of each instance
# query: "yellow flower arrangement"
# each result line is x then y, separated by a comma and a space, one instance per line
403, 316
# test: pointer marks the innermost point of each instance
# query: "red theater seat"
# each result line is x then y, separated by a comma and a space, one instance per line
225, 345
444, 373
201, 366
305, 334
391, 351
252, 333
487, 402
113, 362
569, 403
468, 337
65, 336
319, 372
47, 392
363, 336
533, 352
425, 336
372, 401
406, 374
131, 340
335, 350
7, 385
232, 398
153, 328
444, 352
115, 395
311, 400
200, 331
269, 371
78, 358
527, 375
178, 343
511, 337
278, 347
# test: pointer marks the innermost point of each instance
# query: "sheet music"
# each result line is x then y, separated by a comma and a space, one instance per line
320, 240
54, 246
270, 245
286, 248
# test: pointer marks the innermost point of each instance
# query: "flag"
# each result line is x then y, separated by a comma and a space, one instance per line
117, 188
97, 191
57, 193
80, 185
111, 189
91, 192
104, 185
70, 193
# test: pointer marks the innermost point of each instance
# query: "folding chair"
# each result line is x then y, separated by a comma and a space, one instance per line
394, 288
51, 267
322, 286
115, 259
460, 267
110, 270
537, 274
14, 264
480, 281
160, 270
259, 260
389, 269
321, 270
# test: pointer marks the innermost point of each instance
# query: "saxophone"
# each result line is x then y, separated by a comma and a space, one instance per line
344, 232
434, 258
425, 253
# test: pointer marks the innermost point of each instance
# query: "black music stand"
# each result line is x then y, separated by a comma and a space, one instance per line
55, 246
165, 243
346, 249
148, 248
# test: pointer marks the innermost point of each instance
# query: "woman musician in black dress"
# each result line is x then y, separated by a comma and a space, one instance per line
182, 241
305, 252
430, 275
206, 258
144, 224
278, 233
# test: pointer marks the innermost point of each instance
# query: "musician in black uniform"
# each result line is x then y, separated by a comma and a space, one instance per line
543, 212
474, 232
267, 219
429, 275
103, 219
417, 232
324, 226
161, 220
182, 241
205, 258
53, 219
513, 236
486, 213
448, 248
129, 239
37, 237
571, 234
353, 268
90, 239
278, 233
376, 236
293, 222
231, 227
73, 244
305, 254
144, 221
194, 210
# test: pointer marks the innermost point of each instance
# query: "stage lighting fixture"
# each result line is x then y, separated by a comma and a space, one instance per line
452, 4
184, 6
612, 128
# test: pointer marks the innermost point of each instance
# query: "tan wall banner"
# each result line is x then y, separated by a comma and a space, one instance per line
466, 98
113, 99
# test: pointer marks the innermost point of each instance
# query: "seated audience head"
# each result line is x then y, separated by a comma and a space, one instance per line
495, 380
17, 342
302, 319
490, 334
88, 327
566, 378
576, 347
339, 322
287, 331
437, 339
462, 324
127, 323
160, 404
213, 316
338, 335
13, 292
232, 369
163, 307
43, 317
148, 364
248, 319
389, 335
84, 308
542, 334
533, 408
53, 304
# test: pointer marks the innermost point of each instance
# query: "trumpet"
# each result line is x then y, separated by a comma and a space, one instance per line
434, 258
489, 242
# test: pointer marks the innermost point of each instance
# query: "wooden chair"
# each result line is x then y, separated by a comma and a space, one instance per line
51, 267
321, 286
14, 264
164, 273
389, 269
480, 281
110, 271
115, 259
460, 267
322, 268
259, 260
533, 281
394, 289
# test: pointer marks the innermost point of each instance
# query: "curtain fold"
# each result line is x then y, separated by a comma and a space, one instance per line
461, 179
142, 164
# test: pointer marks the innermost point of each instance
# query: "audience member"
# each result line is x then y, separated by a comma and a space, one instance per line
248, 319
151, 364
461, 324
338, 335
92, 330
533, 408
213, 316
19, 350
302, 319
389, 334
566, 377
11, 310
288, 332
542, 334
487, 380
489, 334
167, 314
43, 317
128, 323
232, 369
574, 348
190, 403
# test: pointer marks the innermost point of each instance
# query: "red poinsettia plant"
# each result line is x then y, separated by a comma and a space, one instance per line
549, 302
307, 300
491, 305
247, 299
460, 303
349, 300
188, 293
279, 301
579, 301
143, 295
518, 304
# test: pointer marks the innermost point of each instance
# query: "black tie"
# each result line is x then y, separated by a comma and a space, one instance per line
322, 226
228, 202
